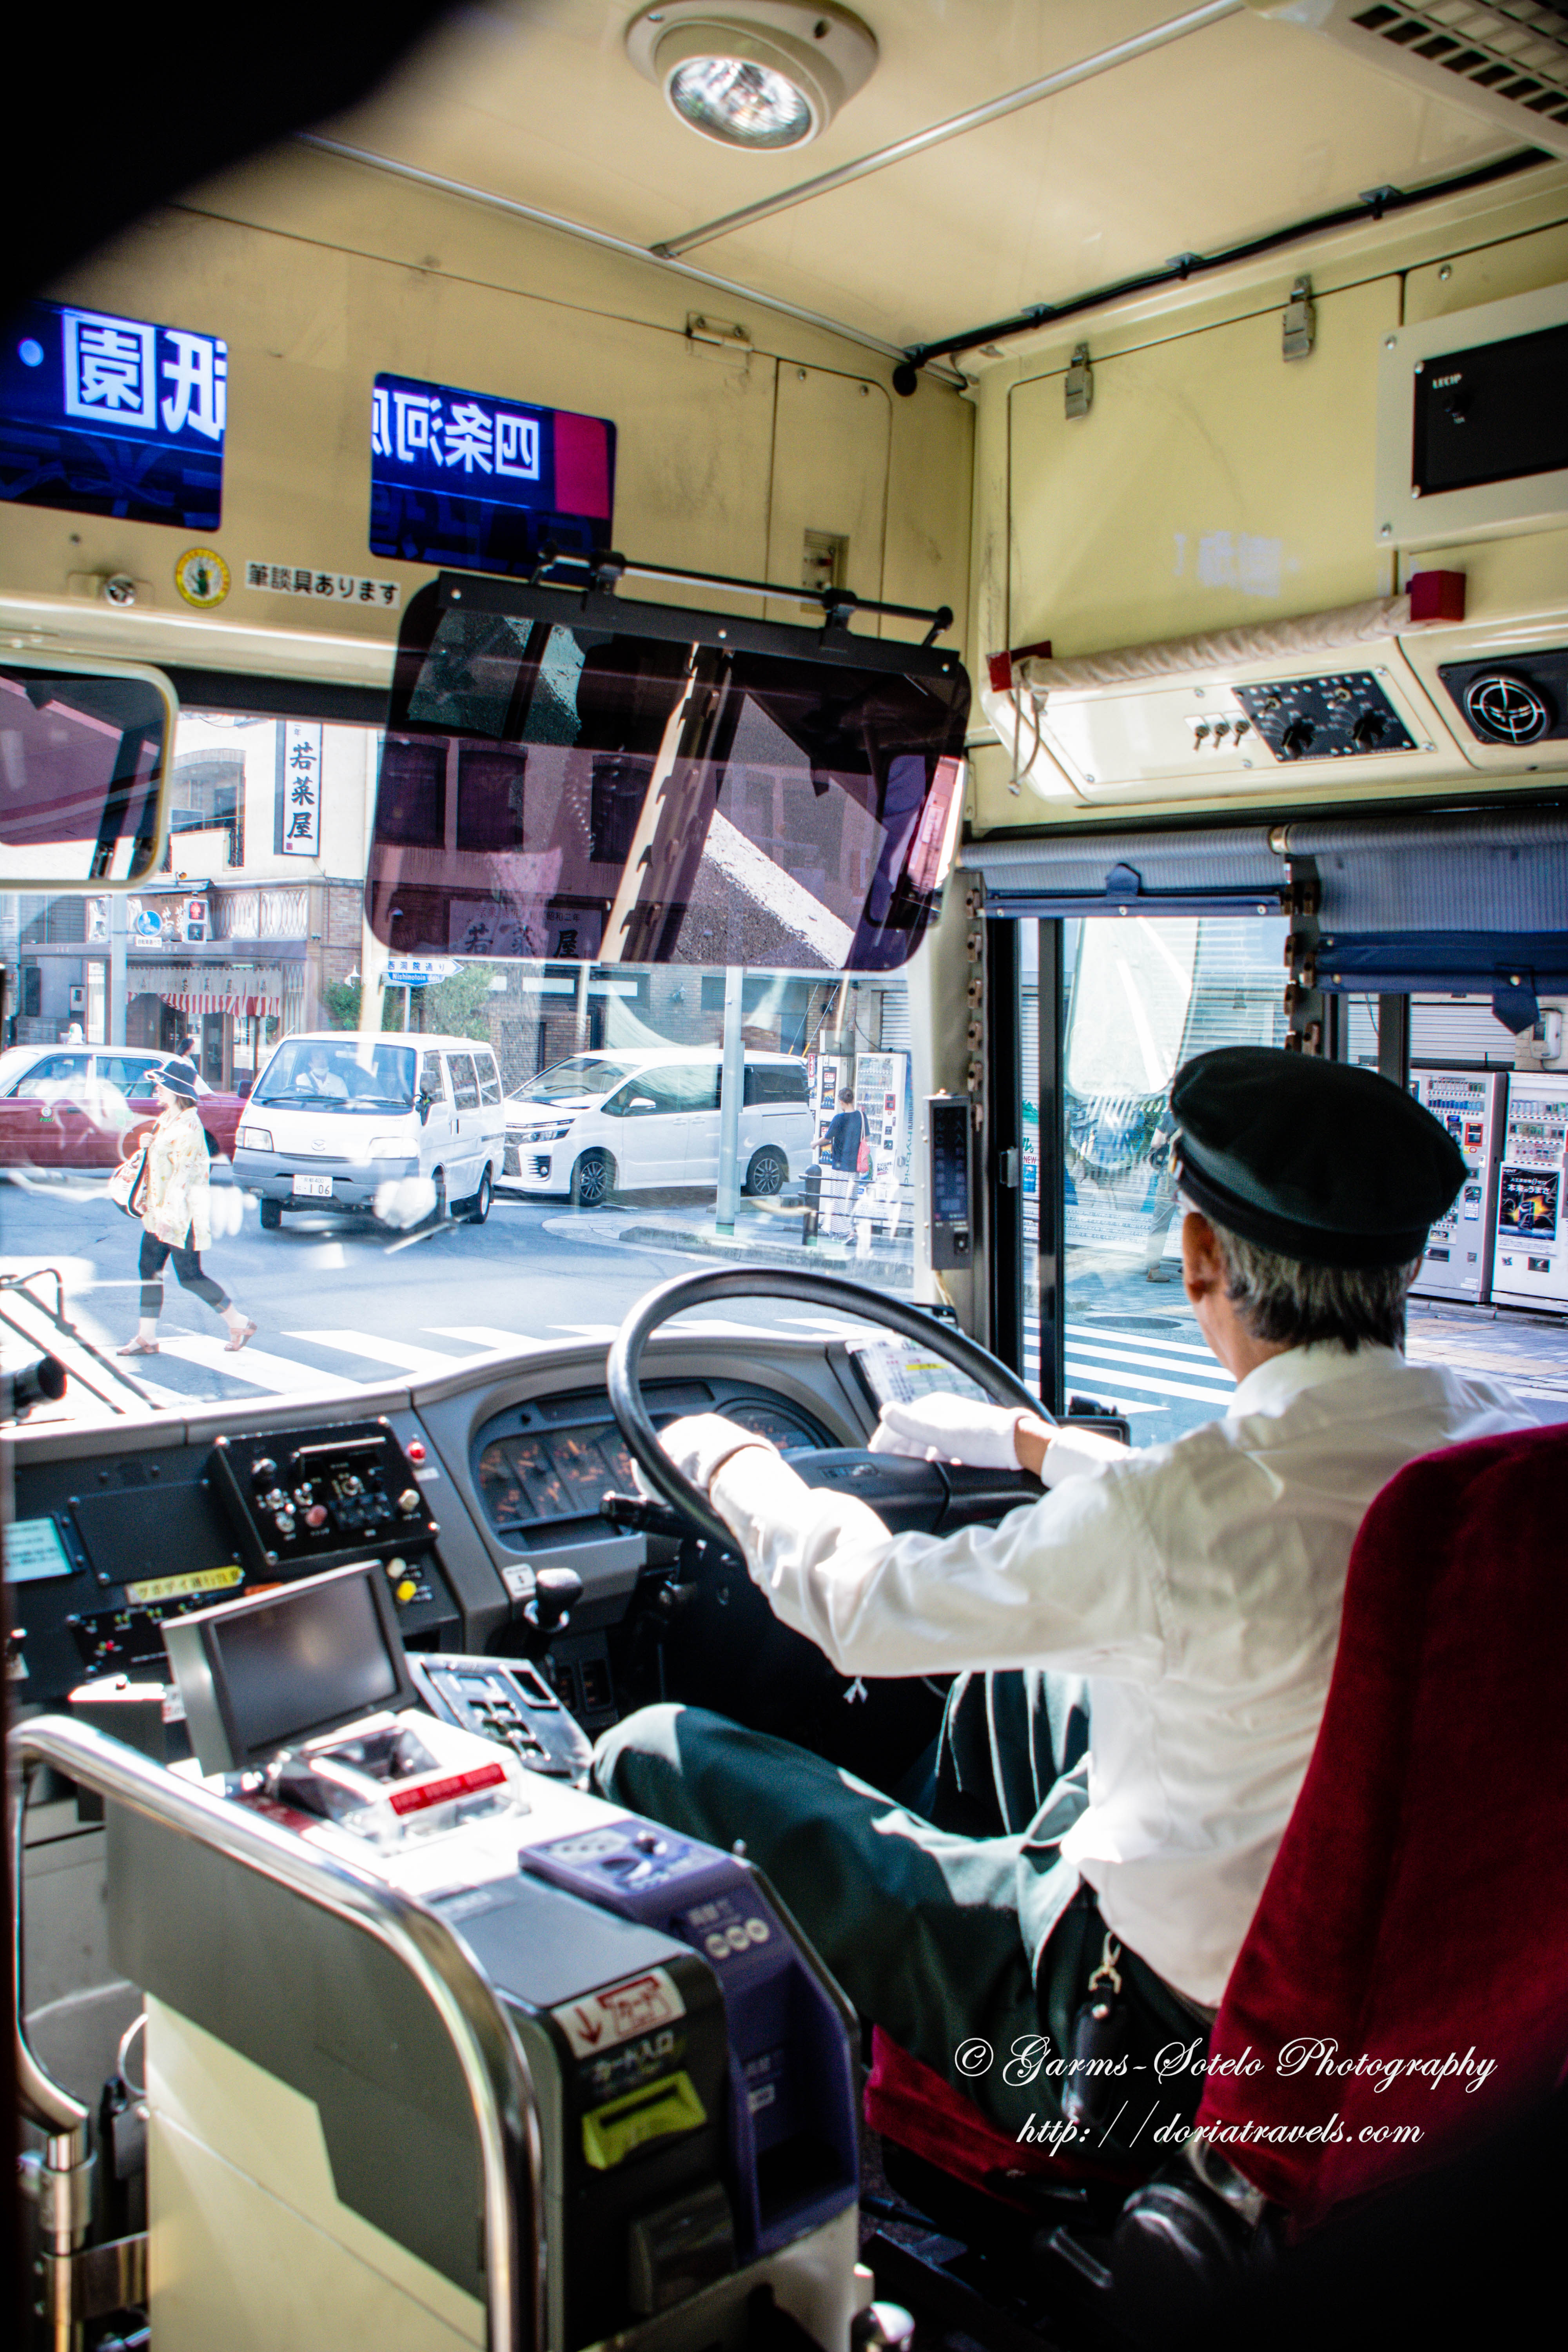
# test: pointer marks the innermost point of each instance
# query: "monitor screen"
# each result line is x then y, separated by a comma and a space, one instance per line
306, 1660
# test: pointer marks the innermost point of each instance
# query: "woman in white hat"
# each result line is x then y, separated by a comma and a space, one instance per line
175, 1212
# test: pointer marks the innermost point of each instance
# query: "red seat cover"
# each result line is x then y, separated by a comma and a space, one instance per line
917, 2109
1418, 1908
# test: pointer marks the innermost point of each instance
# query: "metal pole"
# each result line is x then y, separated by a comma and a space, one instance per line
731, 1087
1052, 1191
1394, 1039
116, 1023
407, 1009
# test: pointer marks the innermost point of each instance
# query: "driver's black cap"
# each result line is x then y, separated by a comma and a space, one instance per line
1316, 1160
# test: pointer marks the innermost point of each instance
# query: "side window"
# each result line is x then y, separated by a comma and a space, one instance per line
120, 1070
489, 1078
464, 1084
694, 1086
431, 1082
773, 1082
56, 1070
660, 1087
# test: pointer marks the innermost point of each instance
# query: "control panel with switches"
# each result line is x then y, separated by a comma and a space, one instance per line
1343, 716
509, 1700
321, 1498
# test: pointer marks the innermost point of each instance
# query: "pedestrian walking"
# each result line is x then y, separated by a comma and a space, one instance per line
849, 1157
171, 1194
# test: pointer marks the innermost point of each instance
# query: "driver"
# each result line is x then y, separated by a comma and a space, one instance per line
1142, 1654
319, 1078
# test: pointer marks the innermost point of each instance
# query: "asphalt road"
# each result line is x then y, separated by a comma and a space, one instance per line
341, 1303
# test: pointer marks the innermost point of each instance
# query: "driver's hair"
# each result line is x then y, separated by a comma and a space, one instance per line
1287, 1300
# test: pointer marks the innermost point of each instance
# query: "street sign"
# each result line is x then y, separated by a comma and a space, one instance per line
417, 971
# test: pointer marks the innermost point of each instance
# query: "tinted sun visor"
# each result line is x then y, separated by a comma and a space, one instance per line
571, 776
85, 757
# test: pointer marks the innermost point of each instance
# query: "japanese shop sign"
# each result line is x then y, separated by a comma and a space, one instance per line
300, 791
474, 480
113, 416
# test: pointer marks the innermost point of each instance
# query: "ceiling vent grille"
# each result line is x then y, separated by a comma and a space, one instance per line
1508, 60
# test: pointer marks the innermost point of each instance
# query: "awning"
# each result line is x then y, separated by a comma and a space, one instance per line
196, 988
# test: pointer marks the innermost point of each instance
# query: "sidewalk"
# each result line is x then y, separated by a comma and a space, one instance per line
769, 1234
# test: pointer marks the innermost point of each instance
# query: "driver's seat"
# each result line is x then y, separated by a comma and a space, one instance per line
1418, 1908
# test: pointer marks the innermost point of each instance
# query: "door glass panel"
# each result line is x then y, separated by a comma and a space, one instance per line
1142, 996
1029, 1154
464, 1084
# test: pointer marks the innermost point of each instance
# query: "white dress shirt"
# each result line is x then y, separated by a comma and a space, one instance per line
1197, 1583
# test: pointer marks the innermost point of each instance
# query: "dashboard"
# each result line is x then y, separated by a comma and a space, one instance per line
549, 1460
463, 1488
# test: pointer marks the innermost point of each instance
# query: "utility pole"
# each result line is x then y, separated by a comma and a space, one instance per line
731, 1085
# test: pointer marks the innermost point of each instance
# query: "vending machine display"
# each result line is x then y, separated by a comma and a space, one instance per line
1470, 1104
1532, 1263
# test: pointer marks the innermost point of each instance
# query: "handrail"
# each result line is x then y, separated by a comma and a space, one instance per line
494, 2069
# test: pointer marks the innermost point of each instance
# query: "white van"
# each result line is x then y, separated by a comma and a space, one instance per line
335, 1117
616, 1120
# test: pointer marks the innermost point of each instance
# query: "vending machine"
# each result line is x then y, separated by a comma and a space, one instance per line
1531, 1269
1470, 1103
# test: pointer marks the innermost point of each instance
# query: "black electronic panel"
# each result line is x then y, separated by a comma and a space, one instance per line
1495, 413
948, 1120
1346, 716
312, 1498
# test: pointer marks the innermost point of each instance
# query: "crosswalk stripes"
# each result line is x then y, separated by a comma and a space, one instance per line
1138, 1373
258, 1368
397, 1353
1140, 1367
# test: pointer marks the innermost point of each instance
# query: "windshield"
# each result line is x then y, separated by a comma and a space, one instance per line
344, 1076
585, 1074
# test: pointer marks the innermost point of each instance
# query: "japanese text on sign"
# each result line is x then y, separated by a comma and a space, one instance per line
434, 428
302, 790
115, 370
343, 587
102, 414
479, 480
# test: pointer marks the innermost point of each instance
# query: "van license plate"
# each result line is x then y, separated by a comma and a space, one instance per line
312, 1188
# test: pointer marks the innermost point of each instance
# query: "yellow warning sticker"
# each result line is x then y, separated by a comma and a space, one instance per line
175, 1588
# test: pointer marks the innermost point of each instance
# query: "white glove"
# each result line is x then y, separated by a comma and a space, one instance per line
703, 1443
944, 1428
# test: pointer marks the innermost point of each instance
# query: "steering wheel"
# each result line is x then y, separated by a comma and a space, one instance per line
624, 1368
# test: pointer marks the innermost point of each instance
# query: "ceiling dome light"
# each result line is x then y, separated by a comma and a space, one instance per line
764, 74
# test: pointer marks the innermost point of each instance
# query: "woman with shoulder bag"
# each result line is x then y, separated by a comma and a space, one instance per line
170, 1195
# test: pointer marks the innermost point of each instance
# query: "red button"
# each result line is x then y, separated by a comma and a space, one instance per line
415, 1450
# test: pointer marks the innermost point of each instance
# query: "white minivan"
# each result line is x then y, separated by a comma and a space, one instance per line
387, 1124
619, 1120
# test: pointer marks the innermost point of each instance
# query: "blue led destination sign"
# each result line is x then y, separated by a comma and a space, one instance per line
113, 416
473, 480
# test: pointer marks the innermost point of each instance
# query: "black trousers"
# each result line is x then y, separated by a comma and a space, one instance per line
953, 1922
155, 1255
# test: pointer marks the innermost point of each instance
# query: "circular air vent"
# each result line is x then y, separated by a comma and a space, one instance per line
1503, 708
